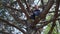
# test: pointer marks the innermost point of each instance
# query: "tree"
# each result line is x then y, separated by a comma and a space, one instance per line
15, 14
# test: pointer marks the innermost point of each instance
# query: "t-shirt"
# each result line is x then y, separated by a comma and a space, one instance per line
35, 13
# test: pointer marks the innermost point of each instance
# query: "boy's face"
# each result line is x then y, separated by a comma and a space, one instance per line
36, 7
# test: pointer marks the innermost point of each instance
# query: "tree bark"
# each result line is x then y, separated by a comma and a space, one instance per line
7, 22
23, 9
55, 16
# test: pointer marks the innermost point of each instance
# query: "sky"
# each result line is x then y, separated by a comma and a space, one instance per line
35, 3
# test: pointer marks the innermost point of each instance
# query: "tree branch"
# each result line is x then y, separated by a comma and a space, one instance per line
55, 16
13, 25
23, 9
43, 8
14, 15
28, 8
46, 23
11, 8
16, 18
43, 22
38, 1
4, 32
57, 29
42, 4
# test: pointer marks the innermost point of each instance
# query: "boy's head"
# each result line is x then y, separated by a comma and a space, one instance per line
36, 7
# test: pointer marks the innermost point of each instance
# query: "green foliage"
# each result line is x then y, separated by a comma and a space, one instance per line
49, 16
46, 30
55, 31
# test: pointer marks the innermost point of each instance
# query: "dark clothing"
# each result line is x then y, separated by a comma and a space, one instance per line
35, 13
32, 16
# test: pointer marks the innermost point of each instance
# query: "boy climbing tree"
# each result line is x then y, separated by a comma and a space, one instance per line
35, 13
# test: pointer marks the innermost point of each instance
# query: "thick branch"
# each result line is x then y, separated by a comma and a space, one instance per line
46, 23
43, 22
42, 4
4, 32
22, 8
43, 8
12, 25
16, 18
14, 15
38, 1
53, 11
53, 25
55, 16
11, 8
28, 8
57, 29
